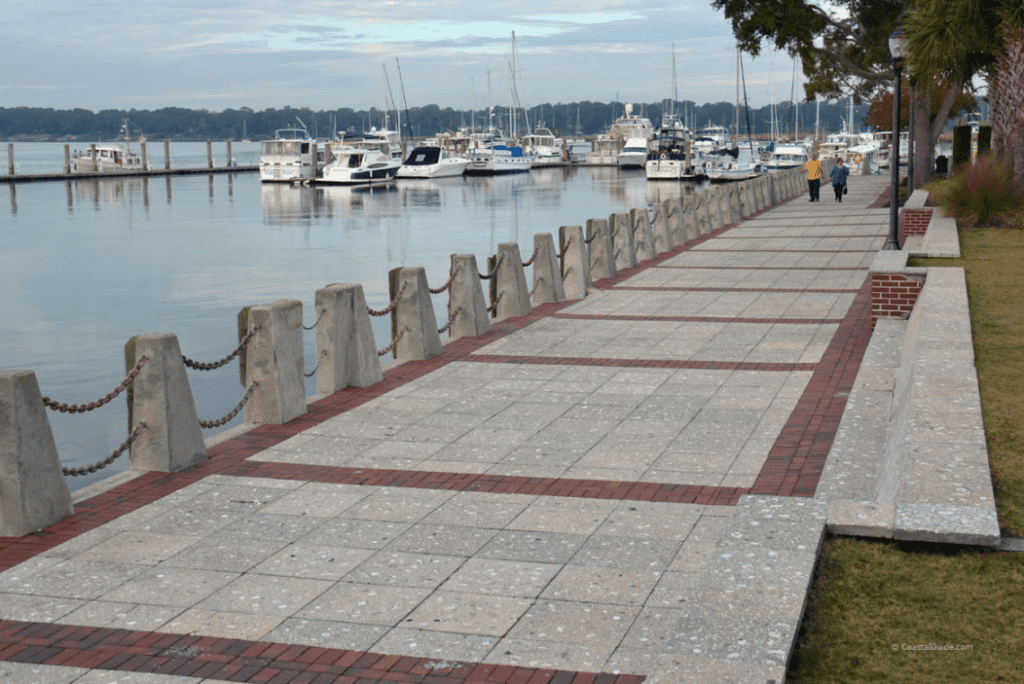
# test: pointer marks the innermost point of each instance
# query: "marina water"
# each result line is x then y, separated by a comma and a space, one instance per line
87, 264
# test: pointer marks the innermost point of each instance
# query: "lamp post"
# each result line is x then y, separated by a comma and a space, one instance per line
898, 48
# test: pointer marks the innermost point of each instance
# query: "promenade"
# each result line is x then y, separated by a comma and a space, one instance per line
616, 489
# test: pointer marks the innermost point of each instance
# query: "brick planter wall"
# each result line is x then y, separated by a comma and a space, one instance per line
913, 222
893, 295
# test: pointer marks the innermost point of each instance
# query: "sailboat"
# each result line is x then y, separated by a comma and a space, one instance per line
727, 166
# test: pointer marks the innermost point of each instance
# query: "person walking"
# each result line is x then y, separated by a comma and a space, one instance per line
813, 168
837, 177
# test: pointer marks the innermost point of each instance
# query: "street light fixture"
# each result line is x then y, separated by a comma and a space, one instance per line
898, 48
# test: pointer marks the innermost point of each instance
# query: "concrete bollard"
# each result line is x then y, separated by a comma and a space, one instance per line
714, 199
33, 492
273, 358
547, 272
345, 346
622, 241
413, 315
466, 297
659, 228
602, 250
743, 195
675, 216
643, 236
734, 191
691, 224
576, 278
702, 213
510, 283
161, 397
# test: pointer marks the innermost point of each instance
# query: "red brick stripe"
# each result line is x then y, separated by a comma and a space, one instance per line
764, 268
239, 660
796, 460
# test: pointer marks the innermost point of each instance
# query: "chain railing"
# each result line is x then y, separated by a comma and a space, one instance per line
494, 271
533, 257
323, 313
451, 279
82, 408
227, 359
234, 411
74, 472
451, 319
494, 307
394, 302
565, 248
394, 343
320, 357
591, 238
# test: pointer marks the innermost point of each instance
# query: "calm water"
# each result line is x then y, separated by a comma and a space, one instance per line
86, 264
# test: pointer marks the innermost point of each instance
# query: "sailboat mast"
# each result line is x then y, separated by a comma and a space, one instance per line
735, 142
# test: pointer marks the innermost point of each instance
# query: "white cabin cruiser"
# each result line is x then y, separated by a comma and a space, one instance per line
669, 158
109, 158
543, 144
432, 162
633, 154
292, 155
787, 157
357, 166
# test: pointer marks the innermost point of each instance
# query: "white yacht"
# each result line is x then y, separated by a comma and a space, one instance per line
711, 138
607, 146
109, 158
668, 158
292, 155
491, 155
633, 154
358, 166
787, 156
543, 145
432, 162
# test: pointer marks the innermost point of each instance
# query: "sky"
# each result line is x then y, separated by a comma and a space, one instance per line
325, 54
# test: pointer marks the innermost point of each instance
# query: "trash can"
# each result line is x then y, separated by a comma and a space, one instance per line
942, 164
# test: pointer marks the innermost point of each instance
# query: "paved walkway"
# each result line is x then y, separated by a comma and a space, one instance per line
620, 485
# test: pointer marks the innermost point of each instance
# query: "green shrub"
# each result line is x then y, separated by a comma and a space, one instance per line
981, 194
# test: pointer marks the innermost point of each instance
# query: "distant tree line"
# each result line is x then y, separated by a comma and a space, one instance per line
579, 118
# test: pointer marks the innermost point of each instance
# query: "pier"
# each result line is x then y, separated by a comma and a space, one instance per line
619, 469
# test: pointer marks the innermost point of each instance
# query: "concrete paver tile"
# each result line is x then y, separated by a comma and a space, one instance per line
326, 634
444, 646
365, 604
313, 562
575, 622
467, 613
501, 577
551, 654
31, 673
406, 569
131, 616
530, 545
213, 623
589, 584
566, 516
169, 586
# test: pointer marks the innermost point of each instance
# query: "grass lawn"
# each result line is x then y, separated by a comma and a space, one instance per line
872, 599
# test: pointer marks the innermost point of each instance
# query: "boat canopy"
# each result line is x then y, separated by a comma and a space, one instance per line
424, 156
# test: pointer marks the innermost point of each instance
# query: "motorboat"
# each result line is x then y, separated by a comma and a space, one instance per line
786, 156
432, 162
490, 154
633, 154
292, 155
542, 144
359, 166
386, 141
607, 146
727, 166
498, 159
711, 138
671, 158
113, 158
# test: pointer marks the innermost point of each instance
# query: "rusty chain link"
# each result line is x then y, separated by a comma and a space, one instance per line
494, 271
322, 314
533, 257
234, 412
74, 472
451, 279
82, 408
451, 319
565, 248
217, 364
591, 238
394, 302
494, 307
391, 347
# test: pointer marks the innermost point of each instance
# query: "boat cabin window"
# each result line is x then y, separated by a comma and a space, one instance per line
355, 161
